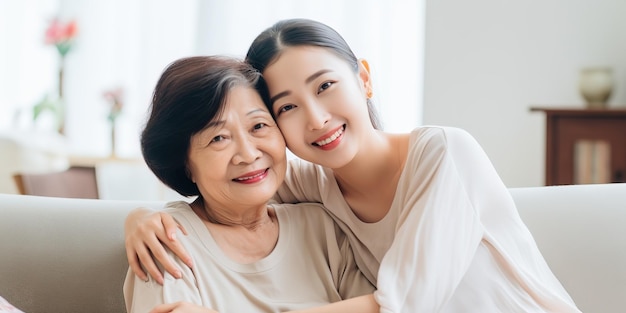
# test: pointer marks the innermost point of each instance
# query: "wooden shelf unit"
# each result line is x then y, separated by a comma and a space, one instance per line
565, 127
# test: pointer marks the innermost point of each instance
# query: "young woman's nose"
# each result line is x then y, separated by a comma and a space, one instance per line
247, 150
317, 116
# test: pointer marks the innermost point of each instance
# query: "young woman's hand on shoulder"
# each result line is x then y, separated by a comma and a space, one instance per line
146, 232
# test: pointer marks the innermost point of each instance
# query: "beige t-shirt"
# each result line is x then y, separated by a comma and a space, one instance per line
452, 240
311, 265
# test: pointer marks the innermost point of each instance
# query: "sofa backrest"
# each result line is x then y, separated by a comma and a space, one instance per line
63, 255
60, 255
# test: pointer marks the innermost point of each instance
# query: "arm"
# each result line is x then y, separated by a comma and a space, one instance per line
362, 304
302, 183
437, 234
505, 231
459, 202
350, 282
181, 307
146, 232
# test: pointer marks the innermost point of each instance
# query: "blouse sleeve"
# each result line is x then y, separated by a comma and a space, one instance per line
302, 183
439, 228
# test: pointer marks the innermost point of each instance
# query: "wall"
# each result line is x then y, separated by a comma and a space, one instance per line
119, 44
378, 33
487, 62
128, 43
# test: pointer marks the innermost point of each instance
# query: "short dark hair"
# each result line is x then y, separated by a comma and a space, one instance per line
268, 46
190, 93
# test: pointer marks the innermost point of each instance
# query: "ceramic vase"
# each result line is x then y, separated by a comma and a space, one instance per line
596, 85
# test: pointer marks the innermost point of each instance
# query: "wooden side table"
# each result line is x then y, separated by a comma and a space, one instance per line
585, 145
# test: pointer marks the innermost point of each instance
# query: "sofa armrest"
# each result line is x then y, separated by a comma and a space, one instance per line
581, 232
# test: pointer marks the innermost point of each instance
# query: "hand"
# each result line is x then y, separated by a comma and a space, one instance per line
146, 231
181, 307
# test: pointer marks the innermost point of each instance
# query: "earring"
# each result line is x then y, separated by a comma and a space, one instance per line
369, 94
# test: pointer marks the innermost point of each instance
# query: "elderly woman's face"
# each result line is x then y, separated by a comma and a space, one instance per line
239, 160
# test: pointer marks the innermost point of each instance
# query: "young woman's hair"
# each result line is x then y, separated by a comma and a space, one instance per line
190, 93
267, 47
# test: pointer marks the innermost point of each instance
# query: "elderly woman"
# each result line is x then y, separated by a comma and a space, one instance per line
210, 135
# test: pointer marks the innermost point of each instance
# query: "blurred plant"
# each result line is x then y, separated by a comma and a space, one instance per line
61, 35
115, 98
51, 104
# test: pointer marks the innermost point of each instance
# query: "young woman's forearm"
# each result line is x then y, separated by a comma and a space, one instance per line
362, 304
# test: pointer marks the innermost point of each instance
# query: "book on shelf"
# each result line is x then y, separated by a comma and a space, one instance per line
592, 162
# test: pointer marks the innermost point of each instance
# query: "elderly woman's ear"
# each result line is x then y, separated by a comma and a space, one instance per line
188, 173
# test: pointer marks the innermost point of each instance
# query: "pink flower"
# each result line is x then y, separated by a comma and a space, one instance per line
61, 35
116, 103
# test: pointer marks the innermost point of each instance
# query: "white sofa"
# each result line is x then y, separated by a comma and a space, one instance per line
62, 255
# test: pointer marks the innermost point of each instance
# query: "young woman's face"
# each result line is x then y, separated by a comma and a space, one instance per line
319, 104
239, 159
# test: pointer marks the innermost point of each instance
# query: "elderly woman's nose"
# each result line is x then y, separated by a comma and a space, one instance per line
247, 150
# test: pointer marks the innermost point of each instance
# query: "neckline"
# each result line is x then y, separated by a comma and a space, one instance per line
264, 264
351, 215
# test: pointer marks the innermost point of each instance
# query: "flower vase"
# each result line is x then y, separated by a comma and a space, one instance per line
61, 74
61, 104
113, 153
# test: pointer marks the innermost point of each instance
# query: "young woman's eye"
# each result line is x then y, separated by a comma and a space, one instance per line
285, 108
325, 86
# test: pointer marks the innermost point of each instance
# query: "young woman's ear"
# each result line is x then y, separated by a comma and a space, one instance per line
364, 74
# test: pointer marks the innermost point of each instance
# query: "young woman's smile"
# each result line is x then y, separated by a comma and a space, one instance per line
331, 139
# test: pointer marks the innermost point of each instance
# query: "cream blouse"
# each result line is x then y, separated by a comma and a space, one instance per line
452, 240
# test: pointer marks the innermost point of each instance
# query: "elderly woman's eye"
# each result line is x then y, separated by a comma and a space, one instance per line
217, 139
259, 126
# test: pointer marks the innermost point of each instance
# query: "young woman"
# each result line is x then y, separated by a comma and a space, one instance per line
429, 219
